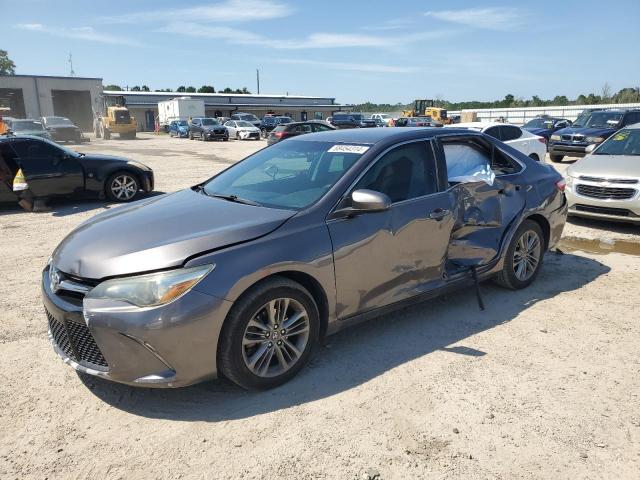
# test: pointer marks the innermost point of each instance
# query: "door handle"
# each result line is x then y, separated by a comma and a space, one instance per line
439, 213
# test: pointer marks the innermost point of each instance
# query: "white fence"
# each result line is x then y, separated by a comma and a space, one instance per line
520, 116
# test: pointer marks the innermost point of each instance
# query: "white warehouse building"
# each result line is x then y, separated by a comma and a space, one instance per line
77, 98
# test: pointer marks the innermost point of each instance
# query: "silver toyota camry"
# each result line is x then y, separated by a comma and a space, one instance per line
606, 183
245, 273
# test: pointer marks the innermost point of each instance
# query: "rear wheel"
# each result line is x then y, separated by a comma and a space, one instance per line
523, 258
556, 158
269, 335
122, 187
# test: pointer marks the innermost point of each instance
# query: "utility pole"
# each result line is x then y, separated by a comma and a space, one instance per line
258, 79
71, 73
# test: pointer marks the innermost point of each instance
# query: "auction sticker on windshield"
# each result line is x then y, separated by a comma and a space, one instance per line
360, 149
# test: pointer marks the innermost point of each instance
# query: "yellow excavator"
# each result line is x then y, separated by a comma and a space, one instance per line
427, 108
114, 118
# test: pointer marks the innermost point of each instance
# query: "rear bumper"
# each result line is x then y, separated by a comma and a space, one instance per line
169, 346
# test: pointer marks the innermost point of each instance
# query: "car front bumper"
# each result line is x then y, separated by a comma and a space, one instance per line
569, 149
173, 345
244, 135
212, 135
582, 202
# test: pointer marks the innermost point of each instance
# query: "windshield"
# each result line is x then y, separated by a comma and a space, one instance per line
58, 121
209, 121
284, 120
538, 123
597, 119
242, 123
269, 120
249, 117
289, 175
182, 123
357, 116
624, 142
24, 125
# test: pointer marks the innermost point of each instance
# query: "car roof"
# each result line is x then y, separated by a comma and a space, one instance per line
371, 136
479, 125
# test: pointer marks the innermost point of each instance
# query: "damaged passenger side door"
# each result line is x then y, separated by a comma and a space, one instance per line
486, 198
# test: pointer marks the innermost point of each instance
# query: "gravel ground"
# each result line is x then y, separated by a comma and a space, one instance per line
545, 383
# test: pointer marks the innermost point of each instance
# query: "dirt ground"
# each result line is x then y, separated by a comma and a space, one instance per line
545, 383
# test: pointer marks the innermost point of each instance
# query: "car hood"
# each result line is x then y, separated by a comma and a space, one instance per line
106, 158
537, 131
608, 166
160, 233
33, 133
587, 132
212, 127
62, 127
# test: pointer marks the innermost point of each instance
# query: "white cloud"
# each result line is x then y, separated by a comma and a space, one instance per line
317, 40
357, 67
78, 33
488, 18
223, 11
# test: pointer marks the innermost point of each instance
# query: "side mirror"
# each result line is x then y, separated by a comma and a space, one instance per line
369, 201
590, 148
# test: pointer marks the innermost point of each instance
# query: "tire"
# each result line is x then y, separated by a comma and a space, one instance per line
190, 135
225, 139
556, 158
237, 135
263, 133
129, 193
533, 156
509, 277
235, 357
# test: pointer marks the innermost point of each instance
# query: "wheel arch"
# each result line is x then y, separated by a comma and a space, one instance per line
544, 225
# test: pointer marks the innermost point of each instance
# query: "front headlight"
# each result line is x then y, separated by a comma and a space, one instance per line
568, 180
595, 139
555, 138
153, 289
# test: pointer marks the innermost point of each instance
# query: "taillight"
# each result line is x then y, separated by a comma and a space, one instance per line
561, 185
278, 134
542, 140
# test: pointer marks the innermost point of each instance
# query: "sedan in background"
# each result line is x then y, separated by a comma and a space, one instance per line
241, 130
546, 126
383, 119
52, 171
417, 122
269, 122
29, 126
244, 274
247, 117
289, 130
62, 129
207, 129
345, 120
606, 183
179, 128
531, 145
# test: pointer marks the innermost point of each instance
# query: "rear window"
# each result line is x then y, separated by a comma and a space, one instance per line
280, 128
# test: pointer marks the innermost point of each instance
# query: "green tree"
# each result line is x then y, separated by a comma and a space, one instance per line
227, 90
190, 90
145, 88
135, 89
181, 89
113, 87
206, 89
7, 67
163, 90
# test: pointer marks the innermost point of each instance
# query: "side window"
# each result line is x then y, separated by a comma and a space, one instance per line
493, 132
8, 155
305, 128
405, 172
317, 127
631, 118
510, 132
467, 162
503, 164
35, 151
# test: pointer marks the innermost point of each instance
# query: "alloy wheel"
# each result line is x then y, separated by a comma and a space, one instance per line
275, 337
526, 255
124, 187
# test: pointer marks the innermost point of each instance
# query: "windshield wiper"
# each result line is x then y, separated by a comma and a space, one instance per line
232, 198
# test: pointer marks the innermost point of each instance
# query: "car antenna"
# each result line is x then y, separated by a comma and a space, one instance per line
474, 275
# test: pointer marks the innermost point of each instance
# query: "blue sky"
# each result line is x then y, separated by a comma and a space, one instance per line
354, 50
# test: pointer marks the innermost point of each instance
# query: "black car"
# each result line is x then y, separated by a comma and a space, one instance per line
546, 126
272, 121
351, 120
207, 129
247, 117
297, 128
54, 171
62, 129
417, 122
592, 127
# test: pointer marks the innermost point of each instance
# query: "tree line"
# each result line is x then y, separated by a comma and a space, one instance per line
625, 95
180, 89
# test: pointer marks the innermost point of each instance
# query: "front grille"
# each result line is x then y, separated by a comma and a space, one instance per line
628, 181
618, 212
605, 193
566, 138
573, 138
76, 341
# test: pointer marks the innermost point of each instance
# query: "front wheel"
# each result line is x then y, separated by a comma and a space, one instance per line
269, 335
122, 187
523, 258
556, 158
263, 133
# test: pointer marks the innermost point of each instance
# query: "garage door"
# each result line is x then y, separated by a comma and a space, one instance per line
75, 105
